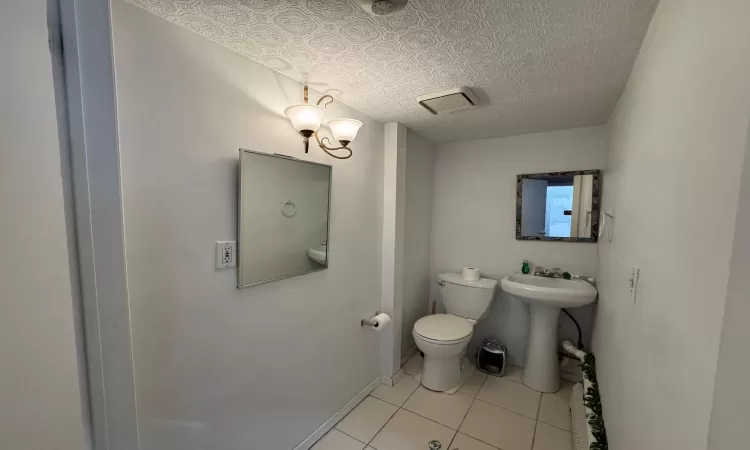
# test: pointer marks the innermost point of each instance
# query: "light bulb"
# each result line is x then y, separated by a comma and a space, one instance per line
305, 117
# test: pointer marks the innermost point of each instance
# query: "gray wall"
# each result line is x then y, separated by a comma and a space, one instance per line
40, 399
672, 182
218, 367
729, 418
474, 220
420, 158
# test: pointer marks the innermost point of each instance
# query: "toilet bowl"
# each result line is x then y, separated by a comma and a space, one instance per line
444, 338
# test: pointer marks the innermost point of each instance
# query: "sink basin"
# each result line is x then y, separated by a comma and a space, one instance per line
549, 291
545, 297
318, 254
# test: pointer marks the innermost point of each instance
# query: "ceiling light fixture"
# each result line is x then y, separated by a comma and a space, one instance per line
382, 7
306, 119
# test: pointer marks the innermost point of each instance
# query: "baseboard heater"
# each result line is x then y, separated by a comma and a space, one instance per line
586, 406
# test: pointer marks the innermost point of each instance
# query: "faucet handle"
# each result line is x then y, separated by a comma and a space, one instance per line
539, 270
589, 280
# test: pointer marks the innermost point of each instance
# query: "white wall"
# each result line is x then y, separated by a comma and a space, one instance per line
40, 399
729, 418
392, 256
672, 181
420, 158
474, 220
216, 367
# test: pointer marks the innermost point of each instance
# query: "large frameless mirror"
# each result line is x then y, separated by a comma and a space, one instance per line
558, 206
284, 209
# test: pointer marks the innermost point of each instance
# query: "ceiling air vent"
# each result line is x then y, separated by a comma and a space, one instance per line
452, 100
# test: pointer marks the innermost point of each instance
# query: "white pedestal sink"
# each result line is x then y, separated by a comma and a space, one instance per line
319, 254
545, 297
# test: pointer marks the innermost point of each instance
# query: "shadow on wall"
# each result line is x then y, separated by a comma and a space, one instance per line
271, 93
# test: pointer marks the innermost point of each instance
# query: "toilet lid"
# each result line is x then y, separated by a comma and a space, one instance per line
443, 327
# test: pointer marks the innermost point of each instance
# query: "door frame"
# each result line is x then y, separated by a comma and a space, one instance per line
94, 205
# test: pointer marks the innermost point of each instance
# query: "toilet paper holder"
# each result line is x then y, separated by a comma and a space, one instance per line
368, 322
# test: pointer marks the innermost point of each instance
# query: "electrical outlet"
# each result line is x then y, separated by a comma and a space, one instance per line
226, 254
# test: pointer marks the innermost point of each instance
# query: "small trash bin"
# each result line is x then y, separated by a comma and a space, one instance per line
492, 357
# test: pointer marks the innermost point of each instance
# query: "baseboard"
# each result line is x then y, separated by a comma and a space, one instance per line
407, 356
330, 423
391, 381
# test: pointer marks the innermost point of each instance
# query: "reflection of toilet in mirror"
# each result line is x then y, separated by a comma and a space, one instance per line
444, 338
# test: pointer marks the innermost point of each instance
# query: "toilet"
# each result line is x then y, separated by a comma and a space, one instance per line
443, 338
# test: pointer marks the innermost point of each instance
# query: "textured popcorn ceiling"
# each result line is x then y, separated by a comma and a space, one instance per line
536, 65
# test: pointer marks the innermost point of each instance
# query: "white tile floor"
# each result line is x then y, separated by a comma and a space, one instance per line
487, 413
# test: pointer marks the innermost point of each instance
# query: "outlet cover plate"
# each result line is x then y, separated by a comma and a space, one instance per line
226, 254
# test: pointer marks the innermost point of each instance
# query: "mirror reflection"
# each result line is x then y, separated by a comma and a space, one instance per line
283, 217
558, 206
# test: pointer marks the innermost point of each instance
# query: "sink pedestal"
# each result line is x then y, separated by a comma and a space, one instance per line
545, 297
542, 371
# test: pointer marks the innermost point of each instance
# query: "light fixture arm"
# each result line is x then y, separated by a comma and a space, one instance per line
307, 119
328, 149
325, 97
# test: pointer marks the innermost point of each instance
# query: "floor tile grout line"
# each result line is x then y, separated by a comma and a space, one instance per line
411, 412
412, 394
345, 433
467, 413
510, 410
472, 404
536, 422
554, 426
456, 431
434, 421
431, 420
381, 428
476, 438
474, 399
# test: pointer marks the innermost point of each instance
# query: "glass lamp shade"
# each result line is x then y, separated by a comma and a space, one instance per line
344, 130
305, 117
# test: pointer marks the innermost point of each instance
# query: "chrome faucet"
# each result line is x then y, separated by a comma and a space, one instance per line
589, 280
540, 271
557, 272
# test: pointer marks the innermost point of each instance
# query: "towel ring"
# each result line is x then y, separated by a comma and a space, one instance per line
284, 209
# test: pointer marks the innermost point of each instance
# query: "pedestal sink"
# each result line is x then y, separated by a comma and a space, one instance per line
319, 254
545, 297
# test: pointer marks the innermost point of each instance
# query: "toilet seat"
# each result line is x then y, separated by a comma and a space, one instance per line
443, 329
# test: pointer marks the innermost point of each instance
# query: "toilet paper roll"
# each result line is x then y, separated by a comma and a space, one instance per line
380, 321
470, 273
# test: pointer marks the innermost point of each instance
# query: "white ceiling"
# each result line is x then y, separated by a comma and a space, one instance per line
536, 65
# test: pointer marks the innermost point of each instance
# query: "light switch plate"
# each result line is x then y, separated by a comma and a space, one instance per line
226, 254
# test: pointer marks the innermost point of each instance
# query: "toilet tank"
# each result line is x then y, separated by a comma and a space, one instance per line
464, 298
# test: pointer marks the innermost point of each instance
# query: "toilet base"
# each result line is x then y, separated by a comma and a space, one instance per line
465, 371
